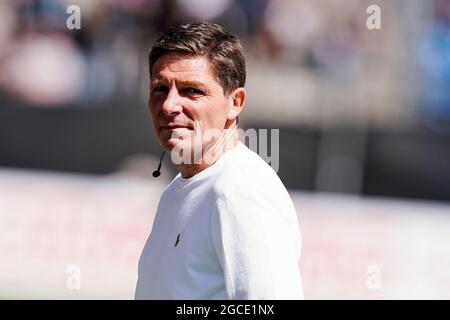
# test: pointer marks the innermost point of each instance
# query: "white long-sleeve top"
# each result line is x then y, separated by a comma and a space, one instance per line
237, 231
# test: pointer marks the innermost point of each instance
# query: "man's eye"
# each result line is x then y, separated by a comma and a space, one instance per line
194, 91
159, 89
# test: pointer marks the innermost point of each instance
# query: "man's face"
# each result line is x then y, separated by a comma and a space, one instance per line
183, 90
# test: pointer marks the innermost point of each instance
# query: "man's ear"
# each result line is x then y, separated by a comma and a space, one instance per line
237, 102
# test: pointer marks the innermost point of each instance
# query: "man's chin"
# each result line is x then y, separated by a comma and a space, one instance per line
180, 147
169, 144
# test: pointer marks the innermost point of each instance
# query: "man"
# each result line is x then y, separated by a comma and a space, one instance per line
225, 227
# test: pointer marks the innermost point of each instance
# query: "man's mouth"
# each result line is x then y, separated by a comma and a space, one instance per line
175, 126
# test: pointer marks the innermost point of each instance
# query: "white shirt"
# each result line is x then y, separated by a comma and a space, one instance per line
239, 235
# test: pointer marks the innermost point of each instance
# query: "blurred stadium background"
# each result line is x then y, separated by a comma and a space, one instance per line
364, 119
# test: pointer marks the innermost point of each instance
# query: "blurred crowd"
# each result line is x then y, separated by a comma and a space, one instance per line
404, 68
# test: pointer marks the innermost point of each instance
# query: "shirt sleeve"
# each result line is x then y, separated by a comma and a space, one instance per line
256, 245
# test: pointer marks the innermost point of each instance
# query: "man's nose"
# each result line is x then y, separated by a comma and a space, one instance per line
172, 103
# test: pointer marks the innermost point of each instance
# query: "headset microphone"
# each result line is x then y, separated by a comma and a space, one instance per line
157, 172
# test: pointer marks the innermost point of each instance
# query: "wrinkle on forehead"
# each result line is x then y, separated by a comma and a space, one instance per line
181, 63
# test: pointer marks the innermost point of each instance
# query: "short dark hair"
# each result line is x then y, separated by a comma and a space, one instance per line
223, 50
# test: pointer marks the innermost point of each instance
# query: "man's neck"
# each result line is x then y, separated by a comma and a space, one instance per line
211, 153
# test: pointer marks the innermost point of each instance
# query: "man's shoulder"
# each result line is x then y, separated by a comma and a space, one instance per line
248, 174
252, 190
